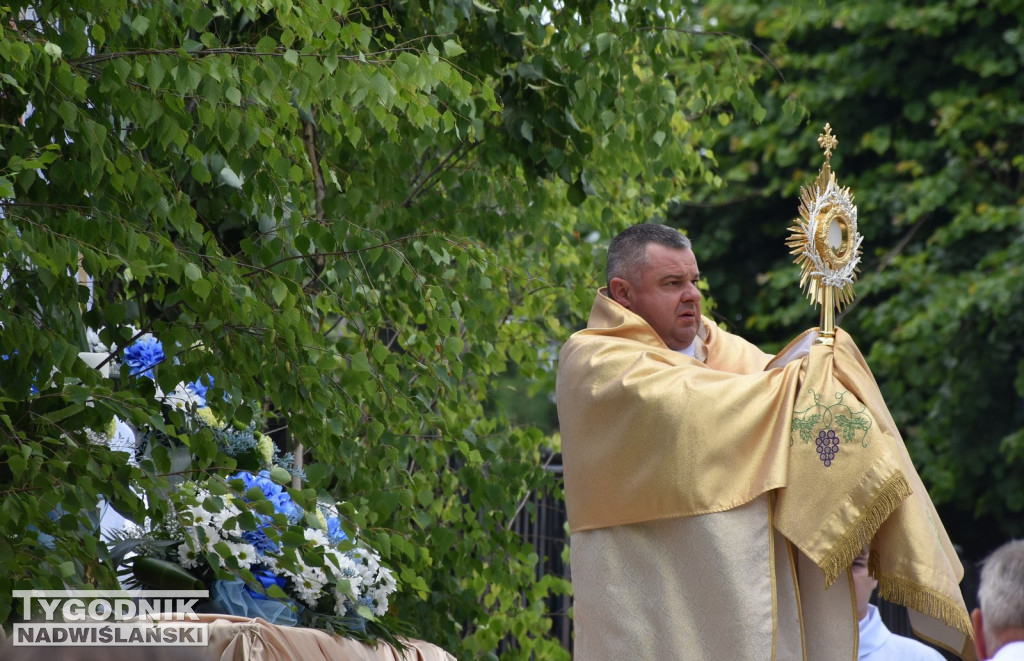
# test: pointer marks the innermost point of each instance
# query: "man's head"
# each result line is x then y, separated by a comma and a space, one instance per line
1000, 617
863, 583
652, 272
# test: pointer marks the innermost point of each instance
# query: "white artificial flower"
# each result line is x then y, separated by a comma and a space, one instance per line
309, 583
95, 344
379, 601
366, 565
187, 556
342, 599
340, 564
212, 536
183, 397
243, 552
348, 585
307, 594
220, 519
315, 576
379, 593
198, 515
316, 536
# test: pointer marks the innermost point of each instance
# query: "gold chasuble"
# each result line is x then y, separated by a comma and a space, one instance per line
716, 505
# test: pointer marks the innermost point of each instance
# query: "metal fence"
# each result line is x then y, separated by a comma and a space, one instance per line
546, 530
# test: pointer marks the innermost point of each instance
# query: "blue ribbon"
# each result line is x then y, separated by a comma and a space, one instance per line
236, 598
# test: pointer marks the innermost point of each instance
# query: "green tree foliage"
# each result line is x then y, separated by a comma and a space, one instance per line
925, 99
354, 216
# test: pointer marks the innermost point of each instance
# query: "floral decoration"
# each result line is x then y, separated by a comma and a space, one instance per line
243, 535
263, 555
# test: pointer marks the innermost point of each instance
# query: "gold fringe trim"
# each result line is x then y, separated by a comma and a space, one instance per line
927, 601
889, 497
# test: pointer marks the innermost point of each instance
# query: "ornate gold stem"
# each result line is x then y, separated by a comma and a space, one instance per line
827, 328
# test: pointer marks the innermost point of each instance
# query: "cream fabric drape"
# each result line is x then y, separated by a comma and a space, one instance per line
233, 638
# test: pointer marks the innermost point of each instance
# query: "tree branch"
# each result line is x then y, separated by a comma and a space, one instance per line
430, 175
335, 253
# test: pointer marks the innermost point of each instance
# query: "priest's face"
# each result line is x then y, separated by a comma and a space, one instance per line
664, 292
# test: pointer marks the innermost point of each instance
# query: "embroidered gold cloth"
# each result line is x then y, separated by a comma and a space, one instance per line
649, 433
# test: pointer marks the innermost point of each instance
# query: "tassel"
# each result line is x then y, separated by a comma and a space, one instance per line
890, 496
921, 599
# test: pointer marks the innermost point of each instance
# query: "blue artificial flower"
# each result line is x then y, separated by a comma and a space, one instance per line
273, 492
144, 355
278, 497
200, 389
259, 539
266, 578
335, 534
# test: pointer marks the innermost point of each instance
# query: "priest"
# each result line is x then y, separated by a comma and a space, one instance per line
717, 495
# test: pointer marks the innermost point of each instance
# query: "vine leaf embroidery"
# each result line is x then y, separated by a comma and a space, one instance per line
830, 424
851, 424
806, 427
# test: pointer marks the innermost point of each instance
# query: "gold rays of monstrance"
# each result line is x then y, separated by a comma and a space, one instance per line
826, 242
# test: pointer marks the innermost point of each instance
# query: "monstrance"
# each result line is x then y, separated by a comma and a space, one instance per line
826, 242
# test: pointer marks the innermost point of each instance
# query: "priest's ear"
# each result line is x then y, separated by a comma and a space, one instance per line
618, 289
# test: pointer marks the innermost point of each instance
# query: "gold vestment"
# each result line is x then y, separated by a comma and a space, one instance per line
650, 434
